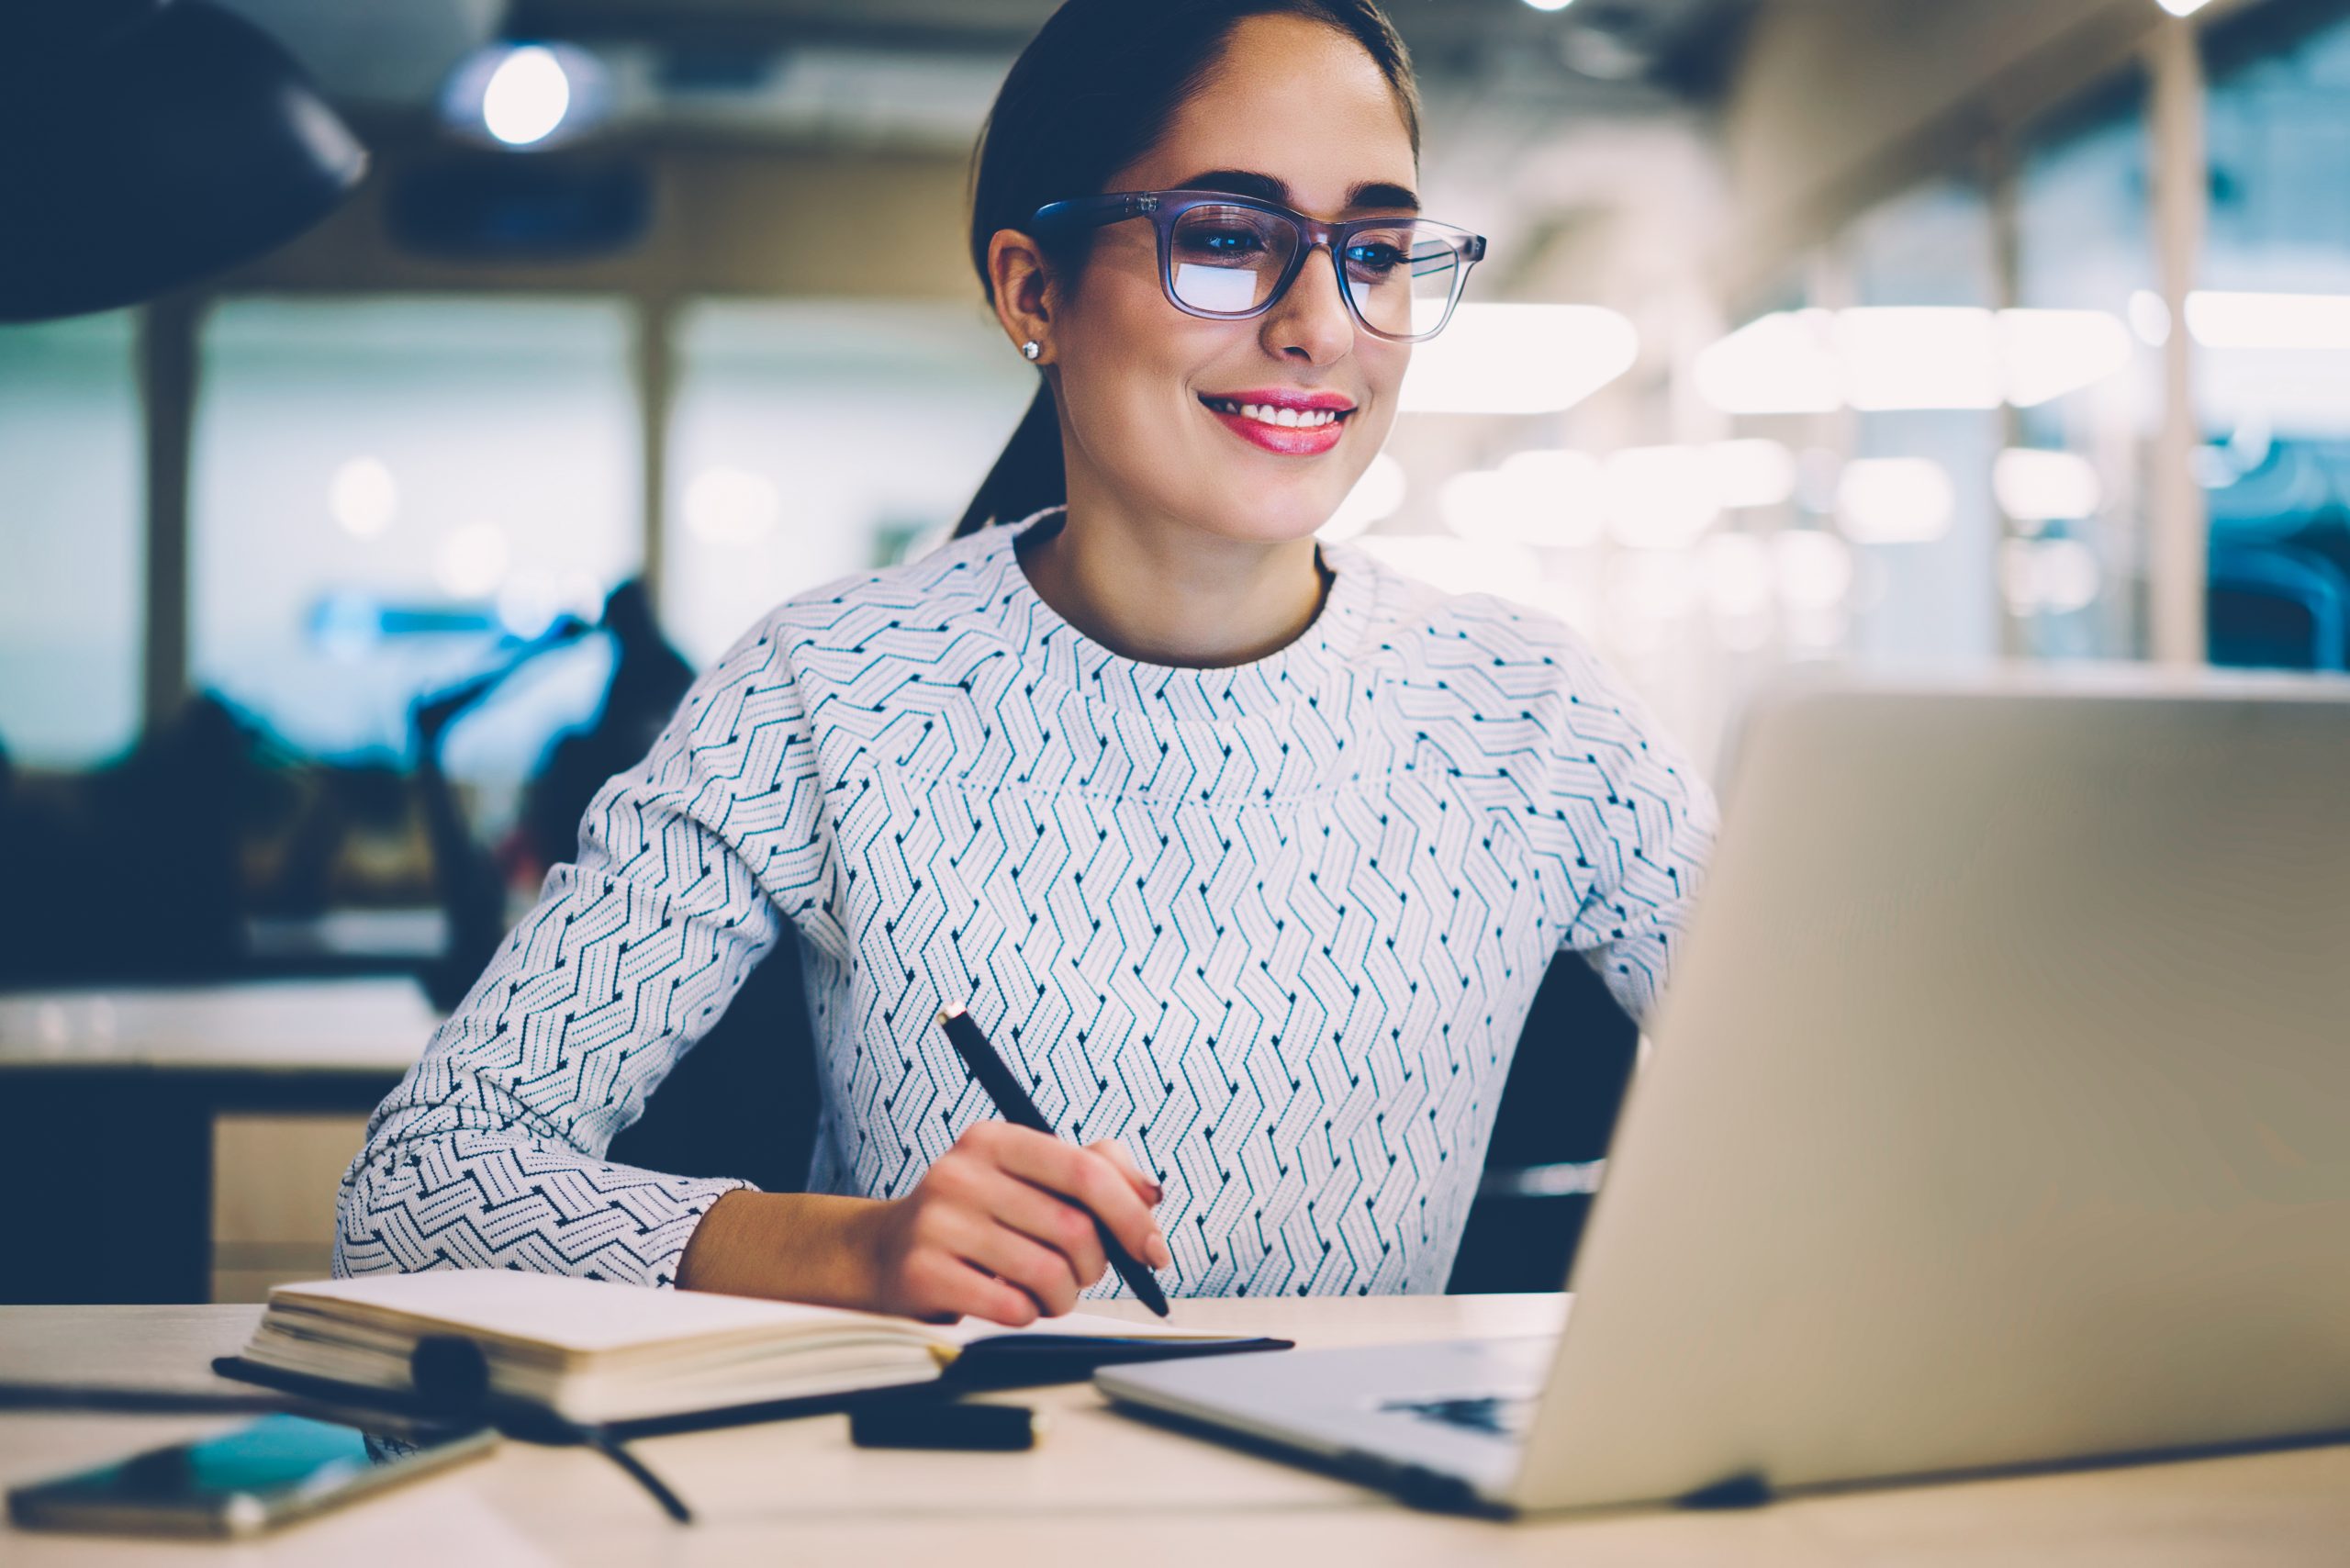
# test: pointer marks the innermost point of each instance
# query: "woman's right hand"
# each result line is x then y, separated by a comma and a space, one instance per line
1002, 1227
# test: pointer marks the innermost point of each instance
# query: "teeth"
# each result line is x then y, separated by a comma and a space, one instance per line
1265, 413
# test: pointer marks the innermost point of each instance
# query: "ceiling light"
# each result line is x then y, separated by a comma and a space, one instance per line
2045, 353
1779, 363
1926, 356
1518, 359
526, 97
2182, 7
2227, 321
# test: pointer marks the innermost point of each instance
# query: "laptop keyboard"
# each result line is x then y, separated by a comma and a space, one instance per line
1492, 1415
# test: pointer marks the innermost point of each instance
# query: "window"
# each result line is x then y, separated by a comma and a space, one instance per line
388, 493
71, 541
814, 439
2070, 488
2271, 319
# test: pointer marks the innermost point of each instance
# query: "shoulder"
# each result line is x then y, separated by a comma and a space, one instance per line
909, 609
1421, 632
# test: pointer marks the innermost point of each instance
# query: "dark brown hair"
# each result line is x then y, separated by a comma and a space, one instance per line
1095, 87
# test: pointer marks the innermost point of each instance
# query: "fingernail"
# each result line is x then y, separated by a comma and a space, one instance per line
1160, 1257
1157, 1192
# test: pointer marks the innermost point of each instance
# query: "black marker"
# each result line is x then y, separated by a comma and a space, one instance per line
1002, 1086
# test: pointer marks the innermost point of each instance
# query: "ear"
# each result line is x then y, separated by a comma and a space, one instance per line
1025, 297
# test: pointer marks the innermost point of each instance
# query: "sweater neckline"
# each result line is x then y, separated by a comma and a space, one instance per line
1049, 645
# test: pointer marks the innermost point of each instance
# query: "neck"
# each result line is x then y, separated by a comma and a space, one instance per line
1166, 592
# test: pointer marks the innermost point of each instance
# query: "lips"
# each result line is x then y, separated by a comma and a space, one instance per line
1285, 420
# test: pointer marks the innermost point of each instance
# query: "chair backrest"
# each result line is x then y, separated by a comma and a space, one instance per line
743, 1104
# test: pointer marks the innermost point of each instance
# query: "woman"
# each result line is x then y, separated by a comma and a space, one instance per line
1248, 852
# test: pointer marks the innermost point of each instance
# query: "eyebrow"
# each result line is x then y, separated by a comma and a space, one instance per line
1265, 187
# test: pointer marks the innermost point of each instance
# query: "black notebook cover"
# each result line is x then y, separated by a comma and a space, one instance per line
1009, 1360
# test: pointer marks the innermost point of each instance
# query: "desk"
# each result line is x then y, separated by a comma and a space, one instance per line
108, 1100
1107, 1491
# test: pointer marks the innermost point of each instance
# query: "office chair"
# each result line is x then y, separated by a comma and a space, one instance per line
743, 1104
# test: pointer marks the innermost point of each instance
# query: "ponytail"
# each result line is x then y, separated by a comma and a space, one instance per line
1031, 474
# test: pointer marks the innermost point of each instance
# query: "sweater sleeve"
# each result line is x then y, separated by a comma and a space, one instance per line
489, 1154
1631, 824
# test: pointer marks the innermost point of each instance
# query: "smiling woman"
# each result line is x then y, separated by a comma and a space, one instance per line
1249, 854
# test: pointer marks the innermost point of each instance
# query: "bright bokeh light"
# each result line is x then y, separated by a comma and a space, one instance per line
527, 96
1550, 5
1814, 569
2045, 353
2045, 486
732, 506
1375, 498
1461, 565
2150, 316
1782, 364
472, 560
1738, 579
2221, 319
1883, 358
2049, 577
362, 498
1658, 498
1926, 356
2182, 7
1894, 500
1750, 472
1518, 359
1551, 499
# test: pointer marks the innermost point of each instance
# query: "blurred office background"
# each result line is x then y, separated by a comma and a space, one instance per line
1850, 331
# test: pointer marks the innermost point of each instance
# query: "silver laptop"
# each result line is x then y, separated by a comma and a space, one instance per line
1998, 1115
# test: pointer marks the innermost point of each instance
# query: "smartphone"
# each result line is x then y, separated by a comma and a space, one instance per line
240, 1482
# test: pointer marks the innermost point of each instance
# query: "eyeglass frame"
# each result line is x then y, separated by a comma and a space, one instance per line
1164, 208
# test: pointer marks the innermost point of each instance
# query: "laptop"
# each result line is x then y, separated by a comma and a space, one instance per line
1998, 1116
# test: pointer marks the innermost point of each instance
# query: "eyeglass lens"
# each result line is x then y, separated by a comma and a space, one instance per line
1401, 277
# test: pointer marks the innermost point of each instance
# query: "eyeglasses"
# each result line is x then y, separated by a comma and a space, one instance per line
1232, 257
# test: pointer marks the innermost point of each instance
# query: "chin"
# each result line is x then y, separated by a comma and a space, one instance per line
1274, 520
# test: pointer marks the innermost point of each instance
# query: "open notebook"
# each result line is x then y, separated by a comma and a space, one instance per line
596, 1353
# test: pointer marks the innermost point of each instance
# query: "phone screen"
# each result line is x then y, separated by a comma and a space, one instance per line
277, 1467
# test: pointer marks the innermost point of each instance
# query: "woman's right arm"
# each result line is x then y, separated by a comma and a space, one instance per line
490, 1152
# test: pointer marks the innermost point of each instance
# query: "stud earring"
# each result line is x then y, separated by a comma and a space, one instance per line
1032, 348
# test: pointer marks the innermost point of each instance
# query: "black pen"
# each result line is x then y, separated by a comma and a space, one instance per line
1002, 1086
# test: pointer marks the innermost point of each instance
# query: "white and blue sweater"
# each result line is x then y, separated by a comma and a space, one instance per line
1276, 927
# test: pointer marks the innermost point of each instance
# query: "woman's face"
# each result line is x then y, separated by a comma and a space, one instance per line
1303, 106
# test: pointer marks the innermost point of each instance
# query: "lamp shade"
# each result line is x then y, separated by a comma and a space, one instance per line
146, 143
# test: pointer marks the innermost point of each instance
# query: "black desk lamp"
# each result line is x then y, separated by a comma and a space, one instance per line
144, 144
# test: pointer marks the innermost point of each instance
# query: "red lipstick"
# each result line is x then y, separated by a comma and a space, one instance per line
1324, 416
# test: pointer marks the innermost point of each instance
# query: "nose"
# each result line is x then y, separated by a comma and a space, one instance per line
1311, 321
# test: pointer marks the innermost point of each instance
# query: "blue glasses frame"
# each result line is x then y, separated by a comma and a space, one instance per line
1460, 251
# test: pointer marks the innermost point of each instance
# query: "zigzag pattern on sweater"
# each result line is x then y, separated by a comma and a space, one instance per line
1278, 927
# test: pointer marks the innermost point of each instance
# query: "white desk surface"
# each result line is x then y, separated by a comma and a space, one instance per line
1108, 1492
370, 1026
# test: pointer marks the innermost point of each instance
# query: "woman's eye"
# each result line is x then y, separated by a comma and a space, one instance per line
1373, 258
1223, 241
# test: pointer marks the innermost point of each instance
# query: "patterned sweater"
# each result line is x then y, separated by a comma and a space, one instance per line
1278, 927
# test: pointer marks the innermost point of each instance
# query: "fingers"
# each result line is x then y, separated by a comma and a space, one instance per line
1016, 1259
1144, 1184
1052, 1221
945, 1286
1085, 1176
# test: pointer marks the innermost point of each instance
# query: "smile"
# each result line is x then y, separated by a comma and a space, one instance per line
1282, 428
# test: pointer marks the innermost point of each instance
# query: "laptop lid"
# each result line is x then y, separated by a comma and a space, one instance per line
2000, 1111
